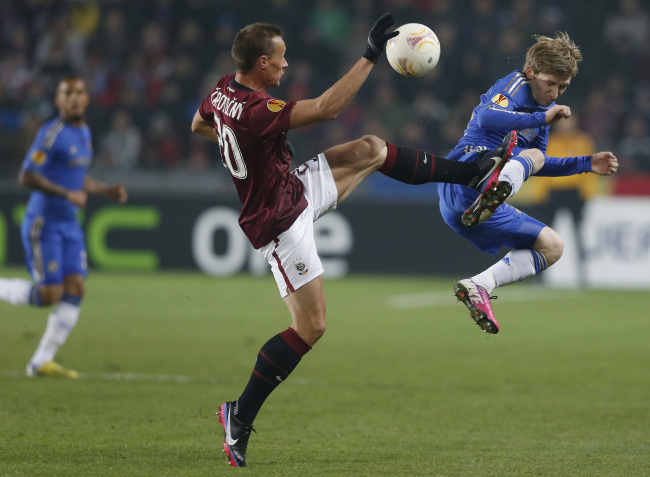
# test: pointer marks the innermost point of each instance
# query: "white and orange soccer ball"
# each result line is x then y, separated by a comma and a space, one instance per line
415, 51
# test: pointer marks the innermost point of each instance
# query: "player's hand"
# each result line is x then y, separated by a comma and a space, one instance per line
117, 193
378, 37
604, 163
77, 197
557, 112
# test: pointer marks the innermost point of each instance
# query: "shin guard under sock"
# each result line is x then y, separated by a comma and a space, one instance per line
514, 267
516, 172
60, 323
275, 361
413, 166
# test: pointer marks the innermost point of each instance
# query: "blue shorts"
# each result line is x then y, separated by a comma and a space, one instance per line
508, 226
54, 249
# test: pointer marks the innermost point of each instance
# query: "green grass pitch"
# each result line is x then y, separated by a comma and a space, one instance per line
403, 383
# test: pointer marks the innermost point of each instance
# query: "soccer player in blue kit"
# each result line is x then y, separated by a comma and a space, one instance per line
55, 169
523, 101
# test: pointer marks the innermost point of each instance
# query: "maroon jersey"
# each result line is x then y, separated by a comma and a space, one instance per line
252, 130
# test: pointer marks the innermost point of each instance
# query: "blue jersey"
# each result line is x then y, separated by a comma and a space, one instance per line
62, 153
507, 106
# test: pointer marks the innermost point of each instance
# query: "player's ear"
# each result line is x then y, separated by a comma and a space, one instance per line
263, 62
528, 71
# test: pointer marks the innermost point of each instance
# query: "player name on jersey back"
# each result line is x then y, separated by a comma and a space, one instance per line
227, 105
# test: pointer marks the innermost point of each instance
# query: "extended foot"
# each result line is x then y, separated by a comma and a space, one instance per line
51, 369
492, 163
492, 192
236, 435
477, 301
485, 204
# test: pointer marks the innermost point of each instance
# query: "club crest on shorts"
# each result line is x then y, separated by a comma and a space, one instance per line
301, 266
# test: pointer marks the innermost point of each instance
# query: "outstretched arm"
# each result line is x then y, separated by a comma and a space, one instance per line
329, 104
604, 163
601, 163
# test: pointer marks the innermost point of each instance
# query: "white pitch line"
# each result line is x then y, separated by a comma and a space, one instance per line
164, 378
440, 299
421, 300
159, 378
125, 377
302, 382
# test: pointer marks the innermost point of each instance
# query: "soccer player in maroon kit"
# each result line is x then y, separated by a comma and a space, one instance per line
279, 206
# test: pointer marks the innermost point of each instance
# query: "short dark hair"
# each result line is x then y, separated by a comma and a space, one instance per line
70, 77
251, 42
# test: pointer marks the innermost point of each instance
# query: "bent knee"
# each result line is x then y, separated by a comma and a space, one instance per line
311, 331
373, 142
536, 156
76, 290
75, 285
50, 294
319, 330
317, 325
551, 244
370, 147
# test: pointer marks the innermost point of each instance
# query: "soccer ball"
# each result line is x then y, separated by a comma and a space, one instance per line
415, 51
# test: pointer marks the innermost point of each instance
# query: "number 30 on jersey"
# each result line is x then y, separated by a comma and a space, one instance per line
230, 150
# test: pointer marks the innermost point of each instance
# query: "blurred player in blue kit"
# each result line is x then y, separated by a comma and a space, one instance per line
524, 102
55, 169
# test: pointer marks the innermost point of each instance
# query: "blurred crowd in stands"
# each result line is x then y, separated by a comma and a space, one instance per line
149, 63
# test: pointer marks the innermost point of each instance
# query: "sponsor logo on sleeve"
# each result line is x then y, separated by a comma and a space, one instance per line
500, 100
275, 105
38, 157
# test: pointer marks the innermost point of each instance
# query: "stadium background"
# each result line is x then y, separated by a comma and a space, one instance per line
403, 384
149, 63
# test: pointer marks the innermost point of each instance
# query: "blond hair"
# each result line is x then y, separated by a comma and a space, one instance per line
557, 56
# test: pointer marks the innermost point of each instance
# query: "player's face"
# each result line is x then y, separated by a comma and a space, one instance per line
275, 64
72, 99
546, 88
